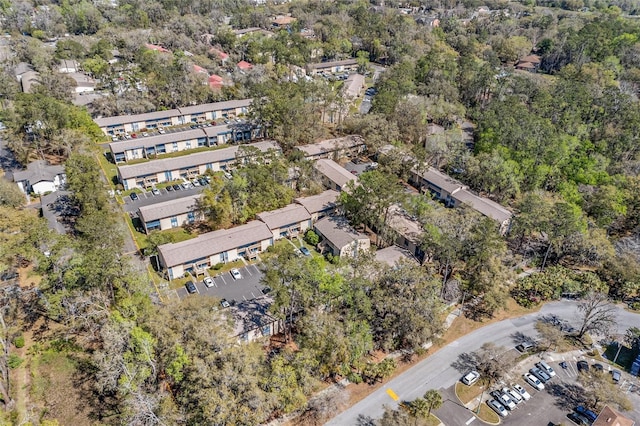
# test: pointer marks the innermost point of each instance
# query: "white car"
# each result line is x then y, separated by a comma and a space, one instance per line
161, 131
506, 401
546, 368
236, 274
522, 391
533, 381
498, 408
208, 281
145, 134
515, 396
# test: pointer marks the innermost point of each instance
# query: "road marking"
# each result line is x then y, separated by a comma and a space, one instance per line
551, 358
470, 420
247, 269
392, 394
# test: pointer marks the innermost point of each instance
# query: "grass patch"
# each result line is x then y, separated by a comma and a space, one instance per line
467, 393
110, 170
177, 234
432, 420
486, 414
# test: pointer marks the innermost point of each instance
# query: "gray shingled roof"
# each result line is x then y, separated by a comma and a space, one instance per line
169, 208
188, 161
332, 64
483, 205
217, 106
441, 180
331, 145
337, 230
293, 213
213, 243
317, 203
251, 315
121, 146
334, 172
38, 171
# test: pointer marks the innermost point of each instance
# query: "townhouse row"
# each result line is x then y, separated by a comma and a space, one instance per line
203, 113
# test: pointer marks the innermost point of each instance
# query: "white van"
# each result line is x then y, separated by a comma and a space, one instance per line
470, 378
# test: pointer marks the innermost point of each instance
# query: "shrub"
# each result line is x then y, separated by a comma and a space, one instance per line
14, 361
19, 342
354, 378
311, 238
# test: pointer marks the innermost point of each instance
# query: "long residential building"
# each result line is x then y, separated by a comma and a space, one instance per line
149, 147
333, 175
289, 221
206, 250
173, 117
346, 146
187, 166
170, 214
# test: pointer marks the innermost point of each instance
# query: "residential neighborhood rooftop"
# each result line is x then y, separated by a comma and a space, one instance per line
330, 64
169, 208
318, 203
213, 242
251, 314
288, 215
337, 230
190, 160
483, 205
331, 145
441, 180
38, 171
334, 172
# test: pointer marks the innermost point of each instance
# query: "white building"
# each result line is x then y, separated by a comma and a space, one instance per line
40, 178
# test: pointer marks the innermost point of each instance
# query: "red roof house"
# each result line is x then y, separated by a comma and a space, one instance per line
215, 82
156, 48
219, 54
244, 66
199, 69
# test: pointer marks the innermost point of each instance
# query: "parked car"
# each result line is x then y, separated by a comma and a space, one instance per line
134, 135
598, 367
145, 134
176, 187
544, 377
616, 375
533, 381
522, 391
505, 400
187, 185
515, 396
525, 347
169, 188
191, 287
224, 303
305, 251
583, 366
208, 281
546, 368
581, 409
202, 181
195, 182
498, 408
470, 378
236, 274
578, 419
134, 196
155, 191
161, 130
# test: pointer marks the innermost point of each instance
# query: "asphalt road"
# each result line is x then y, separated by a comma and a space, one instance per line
436, 372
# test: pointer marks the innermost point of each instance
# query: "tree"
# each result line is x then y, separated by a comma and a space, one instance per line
10, 194
632, 338
551, 335
597, 314
600, 390
433, 399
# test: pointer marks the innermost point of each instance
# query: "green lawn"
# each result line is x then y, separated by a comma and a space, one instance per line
110, 169
177, 234
625, 357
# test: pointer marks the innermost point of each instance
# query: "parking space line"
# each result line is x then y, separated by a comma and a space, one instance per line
247, 269
468, 422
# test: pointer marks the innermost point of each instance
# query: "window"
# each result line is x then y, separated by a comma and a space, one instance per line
188, 144
174, 222
191, 217
266, 330
175, 146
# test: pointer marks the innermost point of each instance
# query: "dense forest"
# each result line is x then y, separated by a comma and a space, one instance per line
560, 147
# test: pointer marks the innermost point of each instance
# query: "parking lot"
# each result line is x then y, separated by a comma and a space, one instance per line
226, 287
561, 395
147, 198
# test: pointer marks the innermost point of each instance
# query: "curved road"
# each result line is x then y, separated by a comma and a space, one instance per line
436, 372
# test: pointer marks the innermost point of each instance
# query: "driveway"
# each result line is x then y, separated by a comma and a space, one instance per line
437, 372
225, 287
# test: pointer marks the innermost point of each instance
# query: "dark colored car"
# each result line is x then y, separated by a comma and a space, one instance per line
191, 287
176, 187
583, 366
169, 188
598, 367
134, 196
580, 409
578, 419
305, 251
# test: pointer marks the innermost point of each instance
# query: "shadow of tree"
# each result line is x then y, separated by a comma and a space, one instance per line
568, 395
466, 361
519, 338
363, 420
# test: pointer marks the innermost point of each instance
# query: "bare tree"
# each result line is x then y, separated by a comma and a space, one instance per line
597, 314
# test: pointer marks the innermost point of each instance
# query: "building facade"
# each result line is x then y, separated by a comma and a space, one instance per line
170, 214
